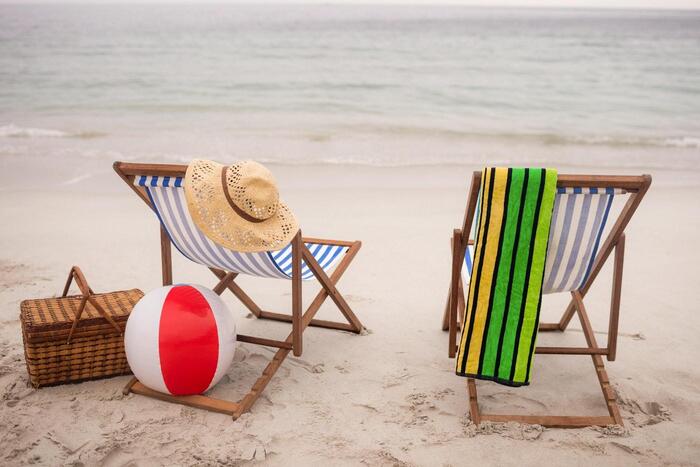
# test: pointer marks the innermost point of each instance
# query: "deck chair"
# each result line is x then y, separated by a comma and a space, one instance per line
160, 186
575, 255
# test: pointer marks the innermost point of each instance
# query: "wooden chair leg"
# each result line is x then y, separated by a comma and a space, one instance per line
588, 333
296, 294
446, 313
460, 299
615, 299
129, 385
166, 257
460, 315
261, 383
457, 260
473, 401
461, 304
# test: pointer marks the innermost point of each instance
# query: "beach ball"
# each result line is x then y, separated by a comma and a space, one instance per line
180, 339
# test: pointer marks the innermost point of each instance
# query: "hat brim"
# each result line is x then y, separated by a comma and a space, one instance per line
214, 216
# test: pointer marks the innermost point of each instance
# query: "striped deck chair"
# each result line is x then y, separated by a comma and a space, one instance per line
577, 250
161, 187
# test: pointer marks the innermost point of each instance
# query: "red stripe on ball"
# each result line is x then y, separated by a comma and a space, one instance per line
188, 341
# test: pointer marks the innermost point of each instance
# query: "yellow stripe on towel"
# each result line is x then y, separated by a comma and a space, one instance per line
477, 257
497, 199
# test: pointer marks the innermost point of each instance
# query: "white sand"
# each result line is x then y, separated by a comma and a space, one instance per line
386, 398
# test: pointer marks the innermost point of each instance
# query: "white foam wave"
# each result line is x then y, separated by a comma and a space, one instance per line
15, 131
678, 142
683, 142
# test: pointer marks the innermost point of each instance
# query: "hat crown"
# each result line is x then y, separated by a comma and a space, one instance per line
253, 189
238, 207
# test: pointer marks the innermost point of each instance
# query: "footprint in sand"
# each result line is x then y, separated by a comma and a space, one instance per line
512, 430
118, 457
20, 274
394, 380
344, 367
367, 407
358, 298
642, 413
422, 406
240, 355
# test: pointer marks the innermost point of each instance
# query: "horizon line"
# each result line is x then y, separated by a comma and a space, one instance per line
399, 3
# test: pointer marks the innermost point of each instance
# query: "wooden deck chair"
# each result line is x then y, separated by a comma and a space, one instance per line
575, 256
160, 186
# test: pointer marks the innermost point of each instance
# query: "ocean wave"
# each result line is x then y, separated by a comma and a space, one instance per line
676, 142
596, 159
376, 144
479, 160
683, 142
540, 138
14, 131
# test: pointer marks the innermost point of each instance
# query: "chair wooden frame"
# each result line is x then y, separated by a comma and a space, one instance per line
226, 281
637, 187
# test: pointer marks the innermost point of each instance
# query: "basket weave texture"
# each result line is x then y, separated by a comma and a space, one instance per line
96, 349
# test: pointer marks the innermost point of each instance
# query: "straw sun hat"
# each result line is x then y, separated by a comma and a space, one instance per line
238, 206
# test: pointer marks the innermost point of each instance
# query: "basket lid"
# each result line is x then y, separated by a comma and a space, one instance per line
59, 312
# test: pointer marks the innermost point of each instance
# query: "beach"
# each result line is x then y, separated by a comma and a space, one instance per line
372, 119
387, 397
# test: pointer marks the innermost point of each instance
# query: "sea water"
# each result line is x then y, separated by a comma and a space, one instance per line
378, 85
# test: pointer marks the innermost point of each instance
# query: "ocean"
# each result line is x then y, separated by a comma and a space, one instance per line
374, 85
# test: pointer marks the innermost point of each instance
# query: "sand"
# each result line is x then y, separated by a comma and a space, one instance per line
388, 397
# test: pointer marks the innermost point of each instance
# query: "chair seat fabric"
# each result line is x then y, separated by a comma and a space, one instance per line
579, 218
167, 196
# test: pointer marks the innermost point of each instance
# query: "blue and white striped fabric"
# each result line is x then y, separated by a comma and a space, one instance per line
167, 196
467, 266
578, 221
469, 252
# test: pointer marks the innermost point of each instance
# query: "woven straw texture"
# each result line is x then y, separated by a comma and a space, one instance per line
253, 191
96, 349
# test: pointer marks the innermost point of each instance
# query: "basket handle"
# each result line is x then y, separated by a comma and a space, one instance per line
77, 275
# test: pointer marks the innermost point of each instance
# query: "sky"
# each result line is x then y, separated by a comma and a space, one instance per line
668, 4
664, 4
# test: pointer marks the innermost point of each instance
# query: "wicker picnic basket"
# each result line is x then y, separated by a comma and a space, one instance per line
75, 338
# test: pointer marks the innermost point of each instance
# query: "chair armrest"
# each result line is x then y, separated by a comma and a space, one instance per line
330, 242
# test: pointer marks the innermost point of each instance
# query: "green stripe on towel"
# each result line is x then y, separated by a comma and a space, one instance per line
502, 315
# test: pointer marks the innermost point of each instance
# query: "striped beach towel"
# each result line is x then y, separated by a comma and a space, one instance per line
498, 338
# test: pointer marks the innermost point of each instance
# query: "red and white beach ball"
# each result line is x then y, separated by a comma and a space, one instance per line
180, 339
